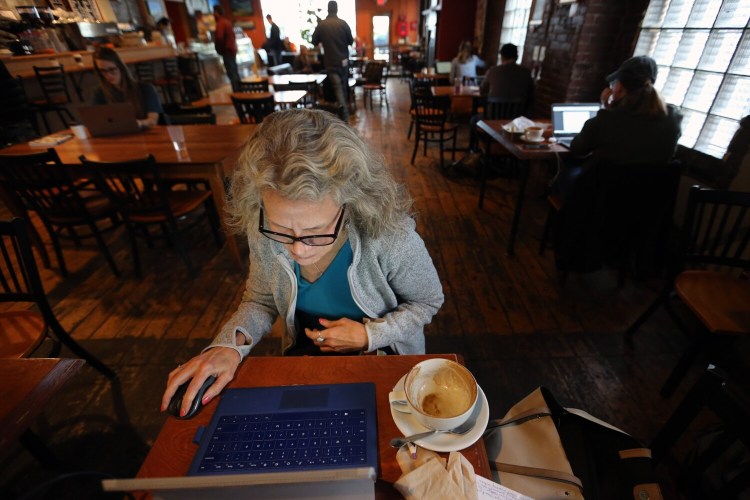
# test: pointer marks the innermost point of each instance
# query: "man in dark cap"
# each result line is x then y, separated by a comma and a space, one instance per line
633, 74
336, 37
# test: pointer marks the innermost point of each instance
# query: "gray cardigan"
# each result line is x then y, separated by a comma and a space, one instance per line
392, 279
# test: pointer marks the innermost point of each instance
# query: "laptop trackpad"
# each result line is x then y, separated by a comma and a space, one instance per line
304, 398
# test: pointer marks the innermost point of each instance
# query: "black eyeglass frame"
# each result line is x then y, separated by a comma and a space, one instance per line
302, 239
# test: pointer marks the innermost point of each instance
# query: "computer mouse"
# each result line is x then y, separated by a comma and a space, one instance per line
173, 408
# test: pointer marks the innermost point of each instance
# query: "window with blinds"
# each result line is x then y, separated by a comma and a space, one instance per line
702, 48
515, 24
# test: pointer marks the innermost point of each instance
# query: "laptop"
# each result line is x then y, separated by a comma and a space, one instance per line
442, 67
568, 119
109, 119
300, 441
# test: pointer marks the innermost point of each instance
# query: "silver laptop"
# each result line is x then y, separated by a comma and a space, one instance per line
442, 67
568, 119
109, 119
302, 441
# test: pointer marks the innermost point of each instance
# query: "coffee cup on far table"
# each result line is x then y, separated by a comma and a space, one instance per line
80, 131
440, 393
534, 133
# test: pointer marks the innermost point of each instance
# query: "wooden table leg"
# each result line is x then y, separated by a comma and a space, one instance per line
524, 165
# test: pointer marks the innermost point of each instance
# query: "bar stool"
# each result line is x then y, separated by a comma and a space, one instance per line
56, 96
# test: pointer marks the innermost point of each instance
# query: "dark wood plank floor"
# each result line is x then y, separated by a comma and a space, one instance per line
510, 318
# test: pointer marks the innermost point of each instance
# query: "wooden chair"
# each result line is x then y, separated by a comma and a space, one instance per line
709, 276
44, 186
495, 158
252, 107
374, 84
191, 76
56, 96
143, 199
602, 222
415, 88
714, 393
170, 79
431, 117
22, 331
254, 86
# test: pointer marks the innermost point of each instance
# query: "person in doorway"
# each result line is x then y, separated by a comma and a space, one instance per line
225, 43
274, 45
333, 251
336, 36
117, 85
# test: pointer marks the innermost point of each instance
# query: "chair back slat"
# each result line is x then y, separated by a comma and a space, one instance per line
52, 81
497, 108
253, 110
430, 110
259, 86
717, 229
17, 265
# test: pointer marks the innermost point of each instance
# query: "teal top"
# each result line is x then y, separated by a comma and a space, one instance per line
329, 296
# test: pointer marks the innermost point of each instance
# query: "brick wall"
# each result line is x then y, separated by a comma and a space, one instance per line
584, 42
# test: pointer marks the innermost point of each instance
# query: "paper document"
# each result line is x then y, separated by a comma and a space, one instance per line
490, 490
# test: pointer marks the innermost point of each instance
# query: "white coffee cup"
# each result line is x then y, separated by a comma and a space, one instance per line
80, 131
440, 393
534, 133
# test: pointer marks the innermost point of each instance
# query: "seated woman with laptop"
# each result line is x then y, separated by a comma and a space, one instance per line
117, 85
333, 251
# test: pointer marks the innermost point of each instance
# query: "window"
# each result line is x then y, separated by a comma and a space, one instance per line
702, 48
515, 24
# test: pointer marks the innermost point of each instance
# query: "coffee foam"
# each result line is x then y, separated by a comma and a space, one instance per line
450, 394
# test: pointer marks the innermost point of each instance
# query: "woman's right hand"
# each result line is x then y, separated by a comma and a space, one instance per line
222, 362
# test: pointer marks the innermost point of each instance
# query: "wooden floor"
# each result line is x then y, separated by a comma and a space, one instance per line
510, 318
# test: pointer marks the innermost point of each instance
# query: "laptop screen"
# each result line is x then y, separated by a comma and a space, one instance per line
443, 67
568, 118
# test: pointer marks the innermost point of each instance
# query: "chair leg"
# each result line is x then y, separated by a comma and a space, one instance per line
408, 133
453, 152
683, 365
213, 219
58, 251
103, 248
79, 351
39, 450
546, 230
417, 133
643, 317
442, 142
176, 240
134, 248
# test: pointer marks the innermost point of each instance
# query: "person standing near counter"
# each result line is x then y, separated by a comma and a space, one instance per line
117, 85
226, 46
335, 35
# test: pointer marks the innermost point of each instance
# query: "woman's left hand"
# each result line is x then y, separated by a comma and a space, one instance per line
341, 335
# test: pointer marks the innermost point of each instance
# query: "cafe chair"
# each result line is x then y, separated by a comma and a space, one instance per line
709, 275
144, 200
17, 123
252, 107
170, 79
254, 86
23, 330
431, 118
601, 222
415, 88
715, 466
43, 185
56, 96
191, 76
374, 84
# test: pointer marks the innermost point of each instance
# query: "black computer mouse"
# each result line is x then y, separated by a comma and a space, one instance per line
173, 408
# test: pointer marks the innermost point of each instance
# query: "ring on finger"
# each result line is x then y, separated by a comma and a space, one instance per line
320, 338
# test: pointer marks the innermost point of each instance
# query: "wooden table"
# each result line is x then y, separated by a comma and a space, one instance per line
212, 151
432, 76
173, 451
493, 131
282, 98
462, 91
28, 384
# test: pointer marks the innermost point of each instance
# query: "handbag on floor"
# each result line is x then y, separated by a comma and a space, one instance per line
546, 451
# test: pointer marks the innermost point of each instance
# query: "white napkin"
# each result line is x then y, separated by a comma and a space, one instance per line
428, 476
519, 124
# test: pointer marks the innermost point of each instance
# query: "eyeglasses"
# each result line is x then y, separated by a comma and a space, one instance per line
314, 240
109, 71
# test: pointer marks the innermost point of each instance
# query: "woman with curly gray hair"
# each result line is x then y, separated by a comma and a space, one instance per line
333, 250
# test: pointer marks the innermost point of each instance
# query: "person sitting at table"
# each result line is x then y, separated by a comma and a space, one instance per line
301, 63
333, 251
634, 126
117, 85
509, 80
465, 64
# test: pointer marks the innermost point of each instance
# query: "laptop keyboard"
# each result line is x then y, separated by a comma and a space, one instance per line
287, 441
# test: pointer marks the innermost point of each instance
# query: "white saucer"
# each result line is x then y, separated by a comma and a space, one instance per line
443, 441
528, 139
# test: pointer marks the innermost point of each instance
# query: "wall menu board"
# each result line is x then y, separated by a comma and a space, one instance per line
242, 8
87, 9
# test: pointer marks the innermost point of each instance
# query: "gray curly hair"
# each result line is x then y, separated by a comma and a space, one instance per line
306, 154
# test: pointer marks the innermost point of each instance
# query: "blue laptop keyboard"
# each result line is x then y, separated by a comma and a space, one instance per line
287, 441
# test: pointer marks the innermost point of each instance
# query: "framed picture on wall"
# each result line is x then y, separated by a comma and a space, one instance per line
242, 8
537, 12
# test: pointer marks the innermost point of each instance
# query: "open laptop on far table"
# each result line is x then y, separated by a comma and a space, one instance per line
443, 67
109, 119
568, 119
295, 442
